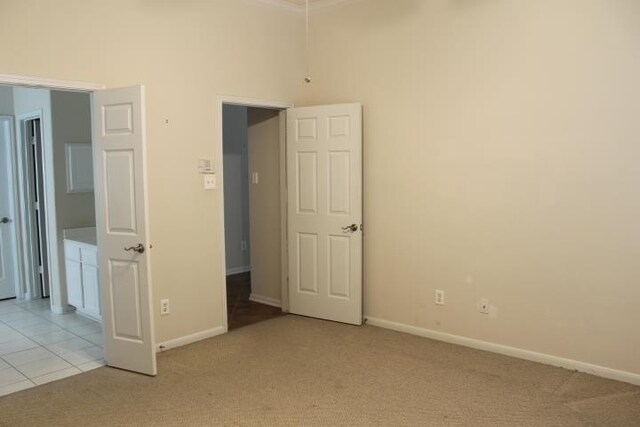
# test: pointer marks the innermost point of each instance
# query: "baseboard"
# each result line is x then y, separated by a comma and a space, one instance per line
56, 309
189, 339
265, 300
238, 270
533, 356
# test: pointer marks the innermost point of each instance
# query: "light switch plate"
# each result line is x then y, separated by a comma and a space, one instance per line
210, 181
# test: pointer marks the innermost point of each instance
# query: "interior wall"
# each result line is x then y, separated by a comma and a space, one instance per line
187, 54
500, 157
71, 116
6, 101
264, 203
236, 189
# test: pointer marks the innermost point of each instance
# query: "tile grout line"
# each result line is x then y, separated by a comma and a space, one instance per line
39, 345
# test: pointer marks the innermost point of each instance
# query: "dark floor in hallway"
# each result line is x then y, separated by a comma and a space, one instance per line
241, 311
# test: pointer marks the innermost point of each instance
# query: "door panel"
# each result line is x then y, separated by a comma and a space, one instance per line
8, 241
324, 180
122, 222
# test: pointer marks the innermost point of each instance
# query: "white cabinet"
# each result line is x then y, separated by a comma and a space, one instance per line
74, 282
83, 286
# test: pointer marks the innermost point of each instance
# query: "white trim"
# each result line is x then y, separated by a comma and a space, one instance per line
189, 339
284, 254
238, 270
265, 300
247, 102
519, 353
41, 82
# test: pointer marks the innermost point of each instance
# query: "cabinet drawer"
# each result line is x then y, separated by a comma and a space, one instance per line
71, 251
89, 256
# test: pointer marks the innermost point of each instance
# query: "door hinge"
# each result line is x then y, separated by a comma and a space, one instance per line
33, 140
40, 270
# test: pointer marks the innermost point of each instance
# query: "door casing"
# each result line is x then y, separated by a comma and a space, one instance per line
25, 270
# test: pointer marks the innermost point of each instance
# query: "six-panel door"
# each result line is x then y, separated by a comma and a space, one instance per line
324, 183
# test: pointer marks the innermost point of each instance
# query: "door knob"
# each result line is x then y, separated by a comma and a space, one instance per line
5, 220
138, 248
350, 228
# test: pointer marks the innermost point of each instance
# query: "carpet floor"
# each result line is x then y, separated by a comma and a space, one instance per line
295, 371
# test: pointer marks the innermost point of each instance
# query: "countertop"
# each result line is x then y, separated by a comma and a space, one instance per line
86, 235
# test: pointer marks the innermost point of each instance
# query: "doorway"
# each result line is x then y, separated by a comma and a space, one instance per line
46, 196
252, 212
35, 201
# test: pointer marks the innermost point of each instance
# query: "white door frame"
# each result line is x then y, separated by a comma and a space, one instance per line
15, 201
26, 269
256, 103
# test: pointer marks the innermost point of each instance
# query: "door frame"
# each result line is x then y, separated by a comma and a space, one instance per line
26, 269
15, 201
254, 103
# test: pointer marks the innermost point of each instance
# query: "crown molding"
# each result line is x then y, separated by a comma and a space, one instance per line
282, 4
316, 4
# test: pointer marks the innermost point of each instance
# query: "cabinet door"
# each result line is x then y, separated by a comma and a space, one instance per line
91, 290
74, 283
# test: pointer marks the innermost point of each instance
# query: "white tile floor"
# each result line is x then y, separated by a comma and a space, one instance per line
37, 346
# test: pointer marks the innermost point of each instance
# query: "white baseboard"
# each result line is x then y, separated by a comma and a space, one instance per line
189, 339
533, 356
238, 270
265, 300
56, 309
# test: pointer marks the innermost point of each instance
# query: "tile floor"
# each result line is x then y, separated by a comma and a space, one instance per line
37, 346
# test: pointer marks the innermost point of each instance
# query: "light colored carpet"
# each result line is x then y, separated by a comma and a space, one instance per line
295, 371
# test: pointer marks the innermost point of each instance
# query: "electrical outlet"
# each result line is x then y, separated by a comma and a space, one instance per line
483, 306
164, 307
243, 246
439, 297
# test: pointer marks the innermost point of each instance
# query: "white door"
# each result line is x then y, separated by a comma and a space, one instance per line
119, 158
8, 242
324, 186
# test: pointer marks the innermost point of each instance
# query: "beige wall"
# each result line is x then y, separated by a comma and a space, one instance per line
71, 120
501, 161
186, 53
264, 203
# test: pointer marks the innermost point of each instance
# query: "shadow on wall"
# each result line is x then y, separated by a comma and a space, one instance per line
384, 13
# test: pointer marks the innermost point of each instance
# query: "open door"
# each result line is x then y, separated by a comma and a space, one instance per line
8, 240
324, 214
119, 158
